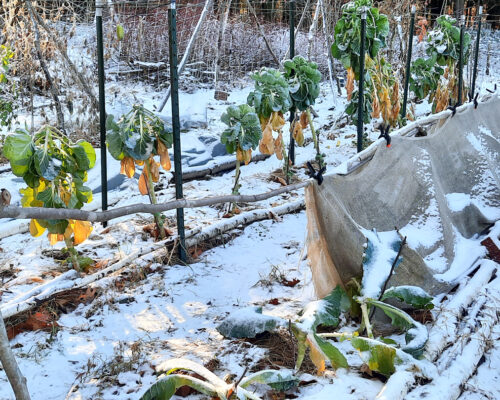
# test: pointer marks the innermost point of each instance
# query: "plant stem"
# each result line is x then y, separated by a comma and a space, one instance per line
72, 253
315, 138
368, 326
236, 188
152, 197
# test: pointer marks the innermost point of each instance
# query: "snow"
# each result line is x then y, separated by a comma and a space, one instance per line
174, 311
381, 251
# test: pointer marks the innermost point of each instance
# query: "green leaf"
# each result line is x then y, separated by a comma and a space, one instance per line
243, 128
165, 388
89, 151
379, 356
417, 334
412, 295
336, 358
120, 33
46, 166
81, 158
18, 149
399, 318
326, 311
277, 380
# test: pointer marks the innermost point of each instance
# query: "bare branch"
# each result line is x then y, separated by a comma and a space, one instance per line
101, 216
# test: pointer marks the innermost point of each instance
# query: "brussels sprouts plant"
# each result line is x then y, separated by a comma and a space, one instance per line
55, 170
136, 139
242, 135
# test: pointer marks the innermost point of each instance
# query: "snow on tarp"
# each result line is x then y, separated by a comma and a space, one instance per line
442, 191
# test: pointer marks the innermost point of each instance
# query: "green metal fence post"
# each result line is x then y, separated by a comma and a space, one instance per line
461, 60
291, 150
174, 98
408, 63
361, 80
102, 105
476, 55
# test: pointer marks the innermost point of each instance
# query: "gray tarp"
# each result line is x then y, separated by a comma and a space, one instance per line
436, 189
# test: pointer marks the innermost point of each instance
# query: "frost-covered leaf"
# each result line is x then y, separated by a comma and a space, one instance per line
278, 380
248, 323
412, 295
165, 388
416, 333
271, 93
243, 130
325, 311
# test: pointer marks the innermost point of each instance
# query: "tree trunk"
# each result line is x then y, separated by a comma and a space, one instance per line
224, 15
45, 69
9, 364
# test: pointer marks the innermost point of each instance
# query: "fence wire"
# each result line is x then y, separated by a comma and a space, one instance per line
223, 54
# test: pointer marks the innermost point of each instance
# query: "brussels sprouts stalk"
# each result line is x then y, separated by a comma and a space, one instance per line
152, 198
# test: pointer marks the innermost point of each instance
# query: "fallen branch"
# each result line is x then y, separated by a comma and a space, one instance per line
101, 216
9, 364
70, 280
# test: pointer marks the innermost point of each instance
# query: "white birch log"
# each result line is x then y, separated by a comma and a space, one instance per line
70, 280
101, 216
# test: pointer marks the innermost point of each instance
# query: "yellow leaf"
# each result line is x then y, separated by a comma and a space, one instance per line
263, 123
54, 238
277, 121
155, 170
266, 144
278, 146
164, 157
127, 167
298, 135
350, 83
82, 230
35, 228
69, 229
304, 120
143, 187
316, 357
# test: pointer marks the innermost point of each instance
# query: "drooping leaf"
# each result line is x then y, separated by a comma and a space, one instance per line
18, 149
81, 230
278, 380
165, 388
412, 295
380, 357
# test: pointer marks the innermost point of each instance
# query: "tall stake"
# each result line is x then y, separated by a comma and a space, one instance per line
361, 80
461, 60
476, 55
291, 151
408, 62
102, 106
174, 84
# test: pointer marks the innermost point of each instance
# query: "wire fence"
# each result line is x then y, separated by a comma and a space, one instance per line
234, 38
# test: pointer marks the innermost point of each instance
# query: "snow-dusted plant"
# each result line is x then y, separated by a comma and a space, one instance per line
347, 49
303, 78
271, 100
211, 385
136, 139
55, 170
379, 354
437, 75
242, 135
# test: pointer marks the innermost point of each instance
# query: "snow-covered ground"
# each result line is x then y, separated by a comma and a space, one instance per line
109, 348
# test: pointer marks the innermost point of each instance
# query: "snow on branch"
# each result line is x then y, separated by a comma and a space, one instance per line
101, 216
